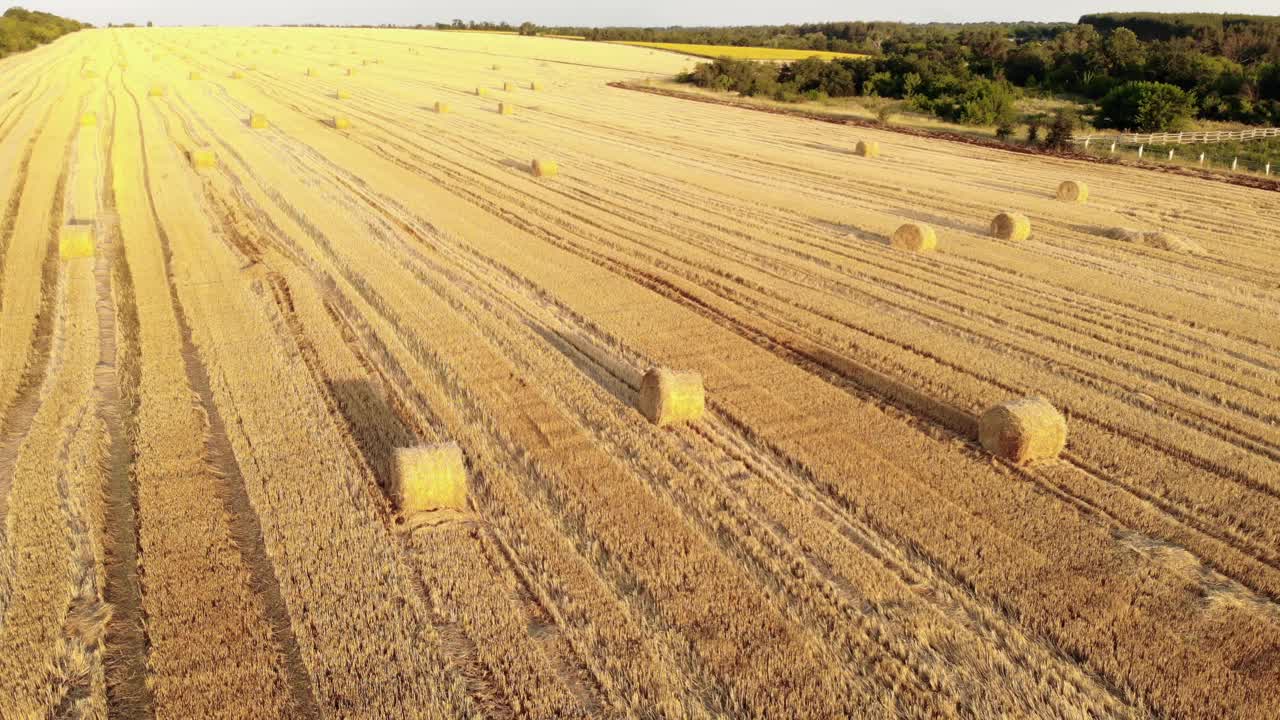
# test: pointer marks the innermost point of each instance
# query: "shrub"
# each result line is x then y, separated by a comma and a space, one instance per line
1033, 130
1146, 107
1062, 129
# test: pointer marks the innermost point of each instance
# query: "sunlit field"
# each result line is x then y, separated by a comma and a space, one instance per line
742, 53
326, 392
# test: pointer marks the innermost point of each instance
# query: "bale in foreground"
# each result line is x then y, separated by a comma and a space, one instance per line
668, 397
1023, 430
1073, 191
1011, 226
916, 237
258, 121
431, 477
341, 122
442, 107
506, 109
545, 168
867, 149
75, 241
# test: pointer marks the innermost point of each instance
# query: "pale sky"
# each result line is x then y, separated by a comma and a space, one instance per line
593, 12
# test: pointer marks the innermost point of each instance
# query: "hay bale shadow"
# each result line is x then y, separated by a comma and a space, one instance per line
940, 220
374, 426
620, 382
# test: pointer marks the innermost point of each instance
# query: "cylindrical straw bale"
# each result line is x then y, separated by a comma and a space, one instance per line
1011, 226
668, 397
867, 148
545, 168
916, 237
432, 477
1023, 430
1073, 191
75, 241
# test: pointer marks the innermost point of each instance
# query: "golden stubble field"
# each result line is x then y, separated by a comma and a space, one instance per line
199, 422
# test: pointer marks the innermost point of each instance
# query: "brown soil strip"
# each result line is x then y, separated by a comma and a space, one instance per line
118, 380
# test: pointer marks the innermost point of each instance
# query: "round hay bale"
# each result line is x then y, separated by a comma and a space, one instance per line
258, 121
916, 237
668, 397
545, 168
481, 92
195, 76
1011, 226
1023, 430
867, 148
431, 477
156, 91
202, 159
351, 72
343, 95
1073, 191
508, 87
442, 107
236, 75
341, 122
88, 120
75, 241
535, 85
506, 109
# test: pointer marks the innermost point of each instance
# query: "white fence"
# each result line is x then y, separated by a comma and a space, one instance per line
1185, 138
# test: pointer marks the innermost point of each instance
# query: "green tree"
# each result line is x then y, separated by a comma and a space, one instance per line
1269, 81
1028, 63
1125, 54
1146, 107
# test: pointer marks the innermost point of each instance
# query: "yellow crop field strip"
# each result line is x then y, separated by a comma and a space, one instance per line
760, 418
741, 53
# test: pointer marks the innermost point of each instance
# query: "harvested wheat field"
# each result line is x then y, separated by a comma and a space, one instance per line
303, 422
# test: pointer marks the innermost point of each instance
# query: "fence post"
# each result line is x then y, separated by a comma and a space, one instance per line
1202, 159
1086, 143
1140, 151
1170, 153
1268, 168
1113, 147
1234, 161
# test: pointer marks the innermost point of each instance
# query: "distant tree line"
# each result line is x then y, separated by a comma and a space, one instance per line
1230, 71
852, 37
22, 29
